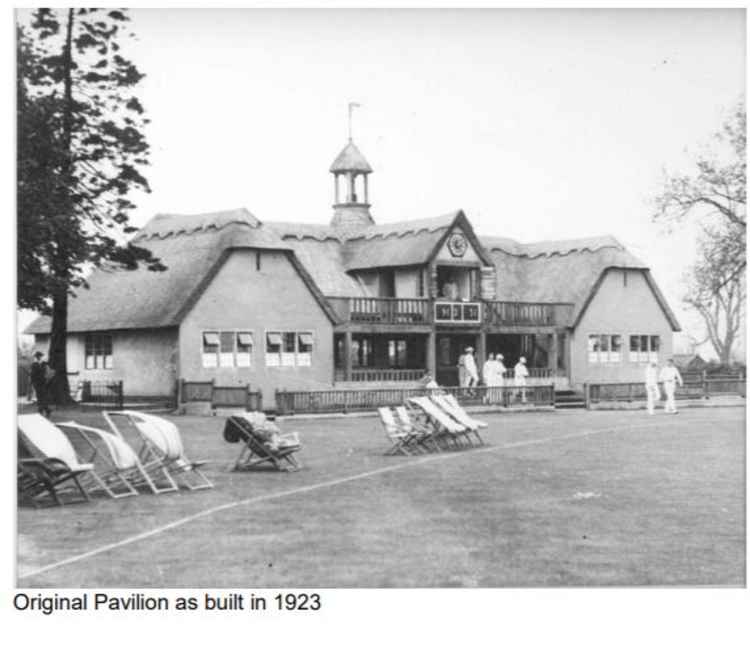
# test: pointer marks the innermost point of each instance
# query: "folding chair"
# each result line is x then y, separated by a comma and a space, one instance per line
256, 452
404, 439
454, 410
427, 432
116, 466
158, 445
47, 461
444, 424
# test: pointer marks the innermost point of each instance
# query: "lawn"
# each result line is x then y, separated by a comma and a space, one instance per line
555, 499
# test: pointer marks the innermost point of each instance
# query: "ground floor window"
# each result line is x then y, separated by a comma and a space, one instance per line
605, 348
644, 348
226, 349
98, 351
289, 348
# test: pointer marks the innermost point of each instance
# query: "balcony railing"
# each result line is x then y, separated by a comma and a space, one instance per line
511, 313
415, 311
381, 374
364, 310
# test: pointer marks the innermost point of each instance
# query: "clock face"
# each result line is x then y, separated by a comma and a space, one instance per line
457, 245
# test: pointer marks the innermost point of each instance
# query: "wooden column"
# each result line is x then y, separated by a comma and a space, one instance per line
481, 350
336, 181
352, 191
431, 361
553, 353
348, 356
367, 193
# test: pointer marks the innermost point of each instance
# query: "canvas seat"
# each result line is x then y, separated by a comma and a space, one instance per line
117, 468
450, 406
446, 427
258, 453
47, 462
159, 447
405, 439
423, 427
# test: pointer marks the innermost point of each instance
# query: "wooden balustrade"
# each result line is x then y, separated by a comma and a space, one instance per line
510, 313
382, 374
366, 310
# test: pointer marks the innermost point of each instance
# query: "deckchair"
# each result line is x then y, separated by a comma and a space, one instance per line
47, 460
455, 411
404, 439
159, 447
116, 466
445, 425
257, 452
426, 430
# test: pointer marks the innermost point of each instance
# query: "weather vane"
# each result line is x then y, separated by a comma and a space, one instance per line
351, 107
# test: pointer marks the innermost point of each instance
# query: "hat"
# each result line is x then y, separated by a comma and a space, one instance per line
500, 356
469, 349
522, 359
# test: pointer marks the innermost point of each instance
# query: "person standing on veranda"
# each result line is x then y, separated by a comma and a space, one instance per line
652, 386
470, 363
462, 374
670, 376
520, 373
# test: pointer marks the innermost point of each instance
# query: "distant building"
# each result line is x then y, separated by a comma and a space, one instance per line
690, 362
355, 303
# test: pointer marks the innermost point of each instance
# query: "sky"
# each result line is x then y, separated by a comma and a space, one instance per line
539, 124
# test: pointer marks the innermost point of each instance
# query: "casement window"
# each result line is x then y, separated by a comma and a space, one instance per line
605, 348
226, 349
644, 348
98, 351
289, 349
363, 353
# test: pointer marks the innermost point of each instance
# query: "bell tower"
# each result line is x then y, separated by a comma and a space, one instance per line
351, 206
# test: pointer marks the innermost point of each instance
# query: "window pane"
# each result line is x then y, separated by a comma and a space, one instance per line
290, 340
593, 343
108, 361
604, 343
655, 343
211, 339
244, 339
634, 343
273, 339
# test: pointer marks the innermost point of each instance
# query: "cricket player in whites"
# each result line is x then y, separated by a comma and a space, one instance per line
670, 376
652, 386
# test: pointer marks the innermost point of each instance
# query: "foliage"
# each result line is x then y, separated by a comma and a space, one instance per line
715, 194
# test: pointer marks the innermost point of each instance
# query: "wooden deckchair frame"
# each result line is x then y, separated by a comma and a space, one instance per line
404, 439
256, 454
39, 477
153, 457
115, 481
456, 412
444, 424
424, 429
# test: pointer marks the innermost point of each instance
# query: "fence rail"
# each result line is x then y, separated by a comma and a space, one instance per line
239, 396
102, 392
346, 400
382, 374
691, 388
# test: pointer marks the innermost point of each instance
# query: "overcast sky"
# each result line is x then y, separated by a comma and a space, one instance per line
538, 124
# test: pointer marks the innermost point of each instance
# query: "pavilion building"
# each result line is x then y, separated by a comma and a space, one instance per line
354, 303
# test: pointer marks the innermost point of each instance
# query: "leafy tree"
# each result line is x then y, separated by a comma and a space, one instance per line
714, 195
81, 151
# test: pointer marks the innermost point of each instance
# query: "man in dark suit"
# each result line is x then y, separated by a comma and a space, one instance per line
39, 380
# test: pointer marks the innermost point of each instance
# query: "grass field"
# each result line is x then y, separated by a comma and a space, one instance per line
555, 499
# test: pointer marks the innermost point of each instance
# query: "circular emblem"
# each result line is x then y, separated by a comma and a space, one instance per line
457, 245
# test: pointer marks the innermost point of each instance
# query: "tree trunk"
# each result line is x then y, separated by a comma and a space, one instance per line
60, 389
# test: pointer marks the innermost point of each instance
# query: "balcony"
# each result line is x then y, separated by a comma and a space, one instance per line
511, 313
424, 311
382, 310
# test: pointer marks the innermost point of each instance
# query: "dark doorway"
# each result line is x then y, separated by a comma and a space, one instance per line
448, 347
513, 345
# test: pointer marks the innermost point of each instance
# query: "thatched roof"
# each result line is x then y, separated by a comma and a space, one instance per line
350, 159
193, 247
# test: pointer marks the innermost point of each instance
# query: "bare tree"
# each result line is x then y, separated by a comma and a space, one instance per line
714, 197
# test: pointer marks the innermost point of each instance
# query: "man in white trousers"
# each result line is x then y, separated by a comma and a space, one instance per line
652, 386
670, 377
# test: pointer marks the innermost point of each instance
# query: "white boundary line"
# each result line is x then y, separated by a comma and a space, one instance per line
335, 482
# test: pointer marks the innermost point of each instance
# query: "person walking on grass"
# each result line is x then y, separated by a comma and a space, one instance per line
652, 386
670, 376
472, 373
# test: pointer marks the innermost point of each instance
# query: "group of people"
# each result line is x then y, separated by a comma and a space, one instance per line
493, 371
670, 377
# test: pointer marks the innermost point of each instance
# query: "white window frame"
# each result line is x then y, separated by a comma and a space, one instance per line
98, 361
603, 356
286, 359
648, 355
226, 360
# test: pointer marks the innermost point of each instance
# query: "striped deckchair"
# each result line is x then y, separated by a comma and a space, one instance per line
405, 439
447, 427
117, 468
159, 447
453, 409
258, 453
47, 462
426, 431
